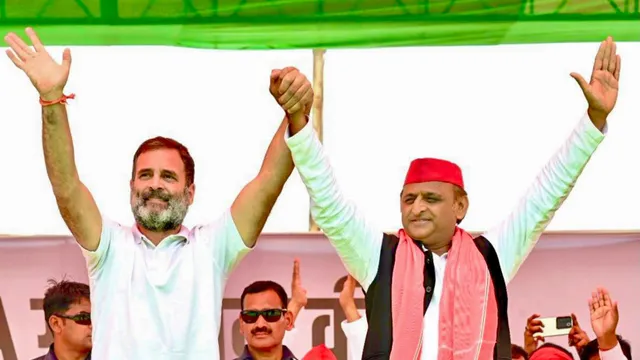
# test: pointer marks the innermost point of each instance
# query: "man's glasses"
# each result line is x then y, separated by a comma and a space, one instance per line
270, 315
82, 318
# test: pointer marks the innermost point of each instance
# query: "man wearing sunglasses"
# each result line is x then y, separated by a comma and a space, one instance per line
263, 321
67, 312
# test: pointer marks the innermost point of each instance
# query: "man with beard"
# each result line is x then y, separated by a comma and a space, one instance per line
156, 287
433, 291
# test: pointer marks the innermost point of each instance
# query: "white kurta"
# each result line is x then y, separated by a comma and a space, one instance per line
358, 242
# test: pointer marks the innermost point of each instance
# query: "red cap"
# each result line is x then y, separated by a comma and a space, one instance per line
550, 353
320, 352
429, 169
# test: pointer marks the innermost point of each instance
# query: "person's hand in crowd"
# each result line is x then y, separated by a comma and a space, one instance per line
604, 318
298, 293
347, 301
578, 338
534, 326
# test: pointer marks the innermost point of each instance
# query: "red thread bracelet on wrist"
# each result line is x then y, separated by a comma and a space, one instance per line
62, 100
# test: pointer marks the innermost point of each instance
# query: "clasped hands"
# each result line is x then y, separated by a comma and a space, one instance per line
292, 90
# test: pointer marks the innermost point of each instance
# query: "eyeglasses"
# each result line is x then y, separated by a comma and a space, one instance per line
270, 315
82, 318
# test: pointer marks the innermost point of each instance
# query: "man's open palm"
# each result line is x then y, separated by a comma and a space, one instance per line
48, 77
604, 313
602, 91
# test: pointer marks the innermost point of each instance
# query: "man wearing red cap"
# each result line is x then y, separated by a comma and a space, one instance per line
550, 351
416, 309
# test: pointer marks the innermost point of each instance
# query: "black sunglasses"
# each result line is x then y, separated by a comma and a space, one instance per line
82, 318
270, 315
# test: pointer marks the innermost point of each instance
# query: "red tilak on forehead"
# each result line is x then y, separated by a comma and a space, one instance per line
430, 169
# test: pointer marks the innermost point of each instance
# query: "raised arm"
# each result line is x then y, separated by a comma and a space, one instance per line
253, 205
355, 327
604, 321
517, 235
75, 202
348, 301
298, 294
357, 242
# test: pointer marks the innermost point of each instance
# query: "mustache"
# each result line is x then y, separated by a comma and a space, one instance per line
155, 194
262, 329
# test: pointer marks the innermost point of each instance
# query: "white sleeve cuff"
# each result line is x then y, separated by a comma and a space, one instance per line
590, 131
303, 136
613, 354
356, 333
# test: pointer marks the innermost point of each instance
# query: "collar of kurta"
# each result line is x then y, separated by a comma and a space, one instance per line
286, 354
443, 256
182, 235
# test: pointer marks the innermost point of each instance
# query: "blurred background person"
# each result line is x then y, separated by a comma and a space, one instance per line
518, 353
355, 326
67, 312
604, 318
263, 321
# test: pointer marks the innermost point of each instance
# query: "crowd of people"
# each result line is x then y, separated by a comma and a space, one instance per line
432, 290
604, 321
267, 314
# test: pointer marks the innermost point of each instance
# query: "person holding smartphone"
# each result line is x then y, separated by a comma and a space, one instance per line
604, 321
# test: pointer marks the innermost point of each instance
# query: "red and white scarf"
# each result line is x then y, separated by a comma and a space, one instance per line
468, 309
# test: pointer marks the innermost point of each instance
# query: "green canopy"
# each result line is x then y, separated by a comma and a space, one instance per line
289, 24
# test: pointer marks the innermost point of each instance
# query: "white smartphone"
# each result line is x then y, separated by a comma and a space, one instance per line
555, 326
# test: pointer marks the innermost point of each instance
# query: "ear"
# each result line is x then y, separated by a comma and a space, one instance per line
241, 323
191, 190
288, 320
131, 185
461, 206
56, 324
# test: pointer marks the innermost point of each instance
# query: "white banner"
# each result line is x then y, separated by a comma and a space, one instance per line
499, 111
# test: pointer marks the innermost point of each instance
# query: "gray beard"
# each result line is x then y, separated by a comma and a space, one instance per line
163, 220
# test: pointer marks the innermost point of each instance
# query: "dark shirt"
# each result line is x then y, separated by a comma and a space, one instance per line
286, 354
52, 355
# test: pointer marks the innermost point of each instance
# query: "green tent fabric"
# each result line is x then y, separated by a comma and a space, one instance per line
291, 24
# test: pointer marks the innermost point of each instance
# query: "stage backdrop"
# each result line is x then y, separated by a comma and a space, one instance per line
498, 111
556, 280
